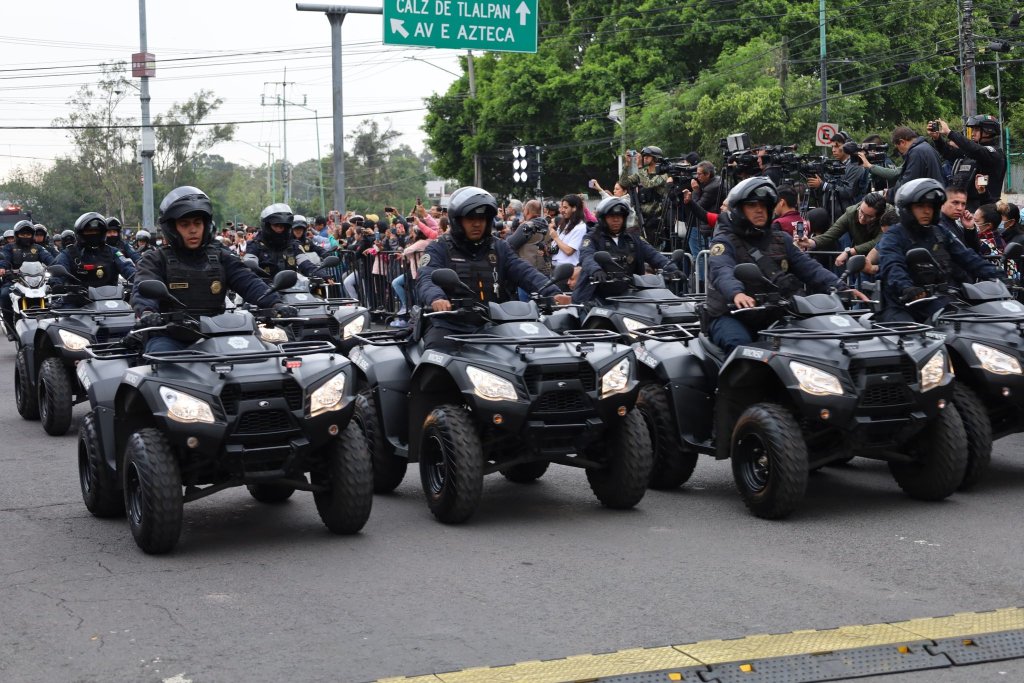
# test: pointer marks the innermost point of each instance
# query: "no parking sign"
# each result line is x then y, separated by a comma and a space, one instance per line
823, 136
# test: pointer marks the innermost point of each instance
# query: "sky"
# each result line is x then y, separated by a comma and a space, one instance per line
49, 49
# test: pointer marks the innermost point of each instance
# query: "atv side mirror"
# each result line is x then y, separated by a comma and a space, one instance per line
561, 273
678, 256
448, 281
329, 262
855, 264
61, 271
920, 256
283, 280
1013, 251
154, 289
749, 274
603, 258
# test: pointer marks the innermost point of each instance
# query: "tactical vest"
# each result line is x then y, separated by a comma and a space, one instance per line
480, 272
964, 170
717, 305
94, 267
21, 255
275, 260
623, 253
940, 252
200, 288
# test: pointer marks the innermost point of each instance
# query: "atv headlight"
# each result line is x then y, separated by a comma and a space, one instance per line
182, 407
934, 371
491, 387
328, 397
632, 325
995, 361
274, 335
72, 341
617, 379
353, 328
815, 381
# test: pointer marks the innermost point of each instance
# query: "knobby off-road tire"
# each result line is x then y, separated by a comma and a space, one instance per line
345, 506
99, 485
388, 468
622, 482
769, 460
451, 464
525, 473
673, 466
941, 453
978, 429
270, 493
152, 491
25, 396
55, 397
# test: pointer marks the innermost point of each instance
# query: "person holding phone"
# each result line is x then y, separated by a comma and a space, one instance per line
860, 222
979, 162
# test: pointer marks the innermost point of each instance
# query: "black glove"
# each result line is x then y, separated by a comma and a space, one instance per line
599, 276
911, 293
284, 310
670, 268
149, 319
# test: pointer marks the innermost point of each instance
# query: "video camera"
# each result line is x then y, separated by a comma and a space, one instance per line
678, 168
742, 158
876, 153
820, 166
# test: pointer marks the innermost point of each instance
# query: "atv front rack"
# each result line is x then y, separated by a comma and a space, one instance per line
64, 312
856, 331
285, 350
575, 337
384, 337
967, 317
673, 301
669, 332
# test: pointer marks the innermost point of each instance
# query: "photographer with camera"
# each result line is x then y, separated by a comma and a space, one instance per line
920, 160
861, 222
646, 187
531, 241
842, 191
979, 163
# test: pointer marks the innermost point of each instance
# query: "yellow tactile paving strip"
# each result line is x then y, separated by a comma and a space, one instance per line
750, 648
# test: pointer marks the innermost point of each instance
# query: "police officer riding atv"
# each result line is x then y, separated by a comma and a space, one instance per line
212, 405
482, 386
810, 383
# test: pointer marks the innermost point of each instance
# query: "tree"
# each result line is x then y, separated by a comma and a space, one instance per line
105, 143
183, 137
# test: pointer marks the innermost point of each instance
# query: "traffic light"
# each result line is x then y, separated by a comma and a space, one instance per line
525, 164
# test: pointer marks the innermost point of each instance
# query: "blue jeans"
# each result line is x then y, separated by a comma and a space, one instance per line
728, 333
398, 284
697, 243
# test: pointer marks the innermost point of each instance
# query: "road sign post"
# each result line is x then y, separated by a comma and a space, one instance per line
497, 26
824, 134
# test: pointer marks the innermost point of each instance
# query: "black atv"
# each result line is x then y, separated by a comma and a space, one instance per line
820, 386
324, 318
230, 410
46, 387
983, 328
512, 400
625, 302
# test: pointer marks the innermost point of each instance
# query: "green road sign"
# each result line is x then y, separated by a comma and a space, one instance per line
499, 25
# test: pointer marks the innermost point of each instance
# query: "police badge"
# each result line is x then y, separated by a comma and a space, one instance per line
215, 287
99, 272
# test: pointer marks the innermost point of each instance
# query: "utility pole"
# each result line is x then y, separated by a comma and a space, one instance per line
282, 101
336, 15
823, 63
472, 94
270, 170
148, 146
970, 81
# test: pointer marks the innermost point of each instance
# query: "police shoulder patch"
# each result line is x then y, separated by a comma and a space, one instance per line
717, 249
424, 260
586, 243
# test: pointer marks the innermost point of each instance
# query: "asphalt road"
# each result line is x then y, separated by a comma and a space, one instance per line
266, 593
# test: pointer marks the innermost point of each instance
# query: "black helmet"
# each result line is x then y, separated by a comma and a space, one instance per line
299, 221
989, 125
920, 191
113, 223
651, 150
23, 233
67, 238
611, 206
96, 224
276, 214
40, 229
181, 202
756, 189
551, 205
143, 236
471, 201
